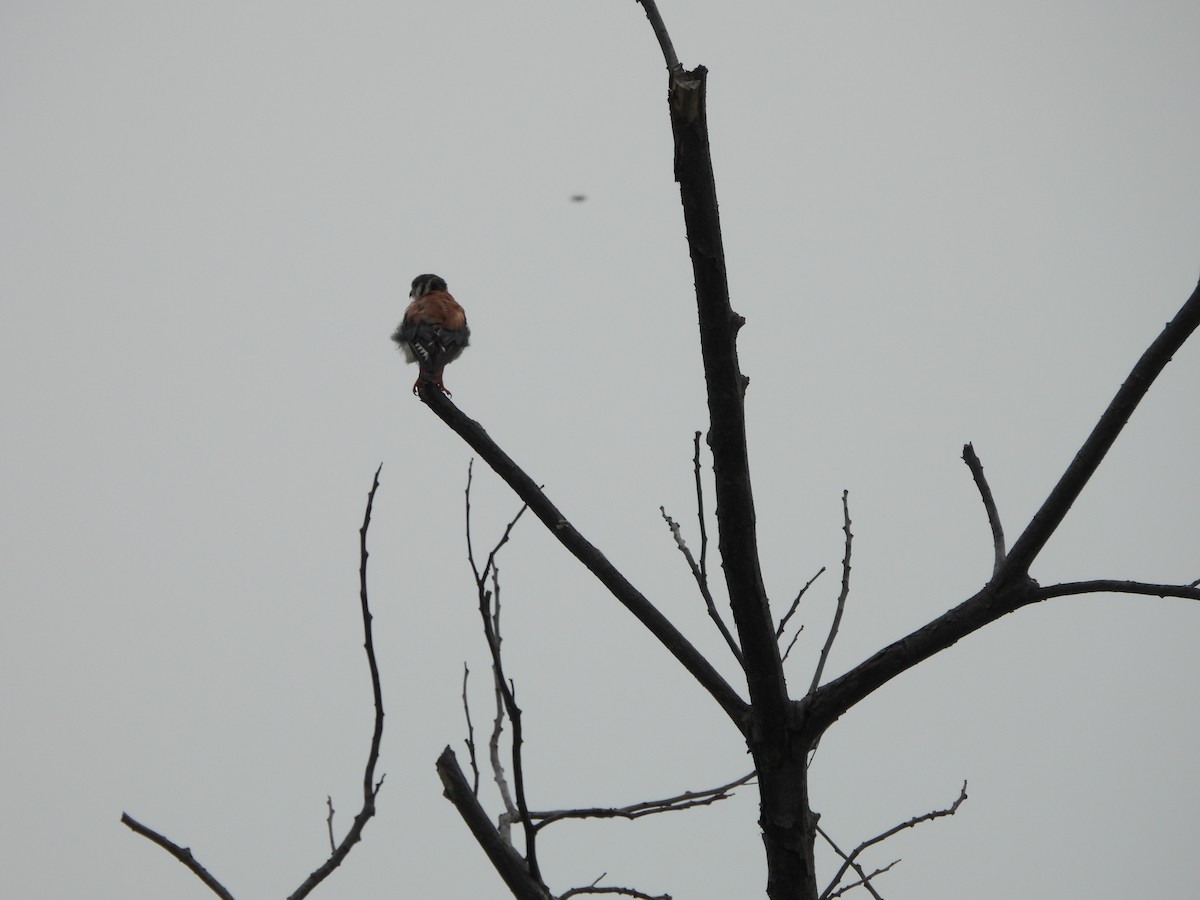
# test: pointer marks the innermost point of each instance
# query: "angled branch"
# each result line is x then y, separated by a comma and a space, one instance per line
370, 785
509, 864
1012, 588
702, 583
183, 854
470, 741
864, 879
489, 612
686, 800
660, 32
1047, 519
842, 595
989, 504
915, 820
796, 603
595, 561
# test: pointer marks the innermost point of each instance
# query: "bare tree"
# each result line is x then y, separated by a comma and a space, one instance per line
781, 726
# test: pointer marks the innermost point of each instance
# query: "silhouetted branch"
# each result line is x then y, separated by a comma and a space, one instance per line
470, 742
509, 864
916, 820
1112, 586
842, 595
329, 823
862, 874
702, 583
370, 786
989, 504
1047, 519
1012, 588
864, 880
796, 603
183, 854
628, 892
633, 600
489, 612
660, 32
686, 800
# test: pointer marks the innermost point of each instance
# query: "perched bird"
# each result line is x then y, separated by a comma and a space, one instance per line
433, 331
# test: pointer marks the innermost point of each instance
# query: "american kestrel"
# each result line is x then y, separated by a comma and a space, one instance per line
433, 331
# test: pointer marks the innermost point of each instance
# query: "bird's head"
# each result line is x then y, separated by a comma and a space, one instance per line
426, 284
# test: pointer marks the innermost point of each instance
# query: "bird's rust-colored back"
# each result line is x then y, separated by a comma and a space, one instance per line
436, 308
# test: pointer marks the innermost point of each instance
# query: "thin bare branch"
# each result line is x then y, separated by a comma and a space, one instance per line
914, 821
989, 504
632, 599
702, 583
792, 643
183, 854
685, 800
842, 595
796, 604
628, 892
700, 506
329, 823
1113, 586
370, 785
660, 32
489, 611
470, 734
509, 864
864, 880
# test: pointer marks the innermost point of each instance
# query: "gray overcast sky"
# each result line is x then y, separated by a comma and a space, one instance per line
944, 222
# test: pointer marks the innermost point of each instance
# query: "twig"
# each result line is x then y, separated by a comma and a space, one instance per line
628, 892
329, 823
370, 785
183, 854
700, 570
796, 604
660, 32
470, 734
791, 611
489, 611
989, 504
791, 644
845, 592
686, 800
864, 880
702, 583
916, 820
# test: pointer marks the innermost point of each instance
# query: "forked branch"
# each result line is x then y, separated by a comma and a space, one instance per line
370, 785
849, 860
595, 561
